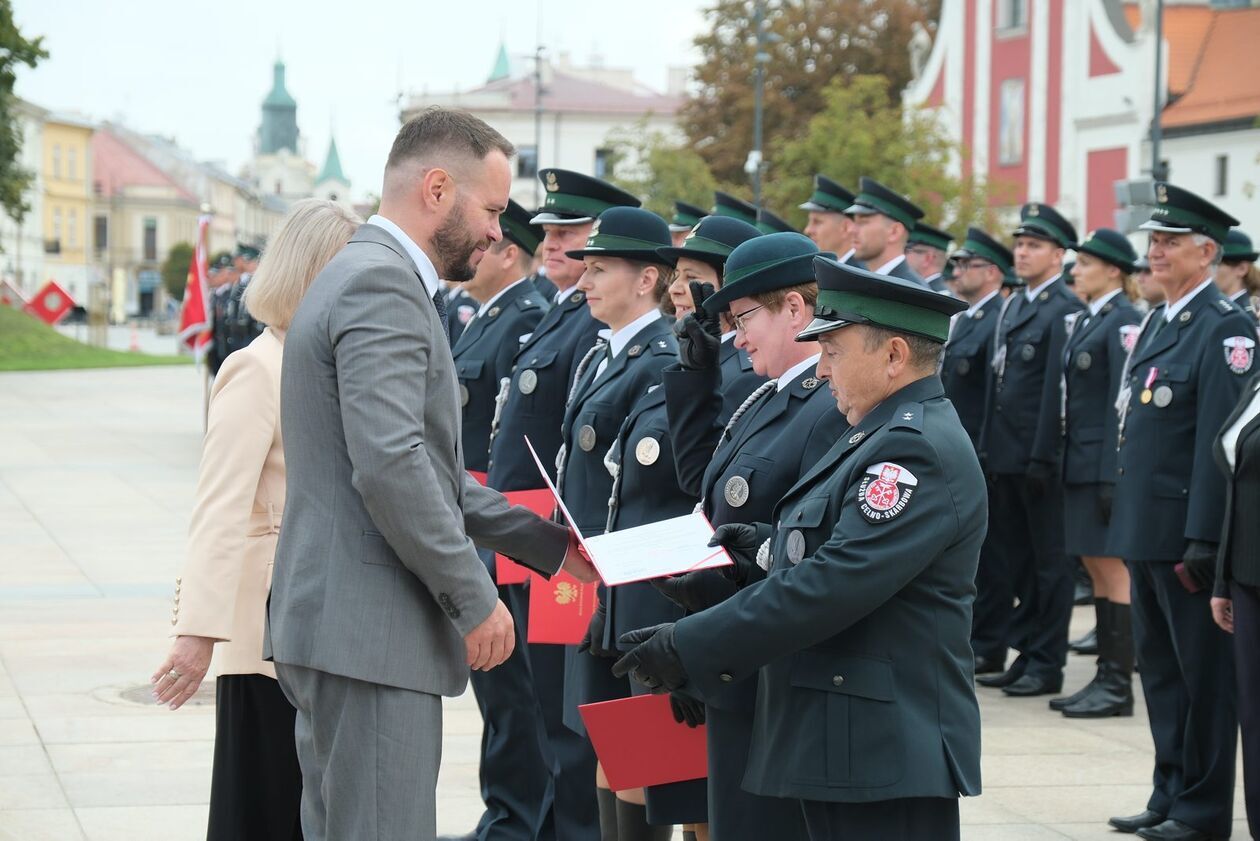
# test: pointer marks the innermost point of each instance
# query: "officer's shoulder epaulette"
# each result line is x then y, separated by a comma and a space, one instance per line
1225, 306
908, 416
658, 346
528, 302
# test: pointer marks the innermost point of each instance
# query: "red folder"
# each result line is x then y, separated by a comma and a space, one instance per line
638, 743
541, 502
479, 476
560, 609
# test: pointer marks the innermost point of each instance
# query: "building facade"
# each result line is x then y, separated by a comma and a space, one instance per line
67, 205
22, 245
279, 167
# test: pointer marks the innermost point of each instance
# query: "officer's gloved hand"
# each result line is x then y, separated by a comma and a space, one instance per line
699, 333
1039, 475
654, 660
593, 642
686, 710
741, 541
1106, 497
1199, 561
696, 591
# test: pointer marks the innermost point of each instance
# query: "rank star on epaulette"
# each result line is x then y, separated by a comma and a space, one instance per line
885, 491
661, 344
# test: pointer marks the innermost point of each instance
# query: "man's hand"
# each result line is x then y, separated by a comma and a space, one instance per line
654, 662
577, 564
696, 591
741, 541
493, 641
593, 642
177, 679
1223, 613
1199, 561
686, 710
699, 334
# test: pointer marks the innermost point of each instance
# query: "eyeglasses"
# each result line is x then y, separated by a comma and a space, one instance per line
973, 263
741, 320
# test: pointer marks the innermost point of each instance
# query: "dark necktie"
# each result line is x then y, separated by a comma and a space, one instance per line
439, 301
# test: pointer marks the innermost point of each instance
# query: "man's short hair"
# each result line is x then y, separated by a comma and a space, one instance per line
925, 353
437, 135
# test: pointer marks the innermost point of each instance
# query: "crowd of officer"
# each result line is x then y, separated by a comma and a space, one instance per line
231, 325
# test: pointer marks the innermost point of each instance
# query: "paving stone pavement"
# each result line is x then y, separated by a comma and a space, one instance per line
97, 473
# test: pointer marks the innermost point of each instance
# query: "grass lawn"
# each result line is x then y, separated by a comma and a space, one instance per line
28, 344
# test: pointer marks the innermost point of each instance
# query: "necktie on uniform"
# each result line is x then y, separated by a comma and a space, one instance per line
439, 301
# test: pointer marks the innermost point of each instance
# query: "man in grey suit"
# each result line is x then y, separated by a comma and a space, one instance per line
379, 602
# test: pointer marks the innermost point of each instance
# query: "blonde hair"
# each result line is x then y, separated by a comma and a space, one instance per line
310, 235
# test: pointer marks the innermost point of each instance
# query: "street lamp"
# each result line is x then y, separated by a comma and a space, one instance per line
761, 58
1159, 172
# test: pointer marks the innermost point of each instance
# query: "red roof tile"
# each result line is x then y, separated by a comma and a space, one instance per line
116, 165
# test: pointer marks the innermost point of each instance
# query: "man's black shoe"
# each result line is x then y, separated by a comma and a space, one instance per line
1174, 831
1088, 644
1135, 822
988, 665
1006, 678
472, 836
1028, 686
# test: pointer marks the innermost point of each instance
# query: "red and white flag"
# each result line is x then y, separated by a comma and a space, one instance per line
194, 314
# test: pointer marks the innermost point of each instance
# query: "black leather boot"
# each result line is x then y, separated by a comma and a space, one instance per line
1102, 618
1113, 691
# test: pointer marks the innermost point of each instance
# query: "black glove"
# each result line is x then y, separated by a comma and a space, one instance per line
1200, 563
699, 333
1106, 496
741, 541
1039, 475
696, 591
593, 642
687, 711
654, 660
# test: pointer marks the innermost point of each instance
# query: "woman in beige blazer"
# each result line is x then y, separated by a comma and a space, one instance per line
221, 597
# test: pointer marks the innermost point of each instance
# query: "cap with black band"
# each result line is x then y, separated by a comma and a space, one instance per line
574, 199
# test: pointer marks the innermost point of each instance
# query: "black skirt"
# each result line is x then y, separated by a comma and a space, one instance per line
256, 784
1085, 530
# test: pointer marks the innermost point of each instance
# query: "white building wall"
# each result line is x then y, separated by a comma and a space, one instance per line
22, 249
1192, 164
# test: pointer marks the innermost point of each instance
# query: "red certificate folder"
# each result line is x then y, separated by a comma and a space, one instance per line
560, 609
542, 503
638, 743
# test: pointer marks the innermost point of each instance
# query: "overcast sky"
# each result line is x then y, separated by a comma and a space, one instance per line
199, 71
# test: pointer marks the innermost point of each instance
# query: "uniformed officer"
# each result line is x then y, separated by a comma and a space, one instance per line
686, 216
515, 763
883, 220
830, 223
769, 223
926, 248
1237, 276
724, 204
778, 432
223, 277
533, 405
1098, 343
866, 714
460, 309
985, 263
241, 327
1022, 451
705, 339
625, 281
1185, 377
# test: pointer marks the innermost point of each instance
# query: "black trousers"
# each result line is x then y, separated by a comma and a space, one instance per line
515, 774
736, 814
1246, 644
570, 759
1187, 671
995, 602
905, 819
1027, 539
256, 784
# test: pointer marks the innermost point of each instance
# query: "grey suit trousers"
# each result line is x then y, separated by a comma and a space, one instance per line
369, 755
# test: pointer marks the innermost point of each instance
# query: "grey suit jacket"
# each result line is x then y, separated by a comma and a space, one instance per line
376, 577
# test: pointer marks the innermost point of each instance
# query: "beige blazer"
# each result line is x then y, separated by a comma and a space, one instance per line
222, 593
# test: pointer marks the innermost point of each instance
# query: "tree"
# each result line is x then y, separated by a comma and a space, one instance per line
658, 170
809, 44
175, 269
863, 131
14, 50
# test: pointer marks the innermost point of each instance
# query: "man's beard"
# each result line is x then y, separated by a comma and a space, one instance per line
455, 246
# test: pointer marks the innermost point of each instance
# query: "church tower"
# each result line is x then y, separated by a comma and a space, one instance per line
279, 128
332, 184
279, 168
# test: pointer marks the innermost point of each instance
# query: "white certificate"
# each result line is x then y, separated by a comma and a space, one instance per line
655, 550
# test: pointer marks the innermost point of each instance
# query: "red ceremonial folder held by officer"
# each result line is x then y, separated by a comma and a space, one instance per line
506, 570
639, 743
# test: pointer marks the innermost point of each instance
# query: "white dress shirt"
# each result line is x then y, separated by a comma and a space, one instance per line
1229, 438
428, 274
490, 303
795, 371
1172, 309
1030, 294
891, 264
617, 341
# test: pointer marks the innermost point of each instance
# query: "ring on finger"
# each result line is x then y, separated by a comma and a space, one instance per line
173, 674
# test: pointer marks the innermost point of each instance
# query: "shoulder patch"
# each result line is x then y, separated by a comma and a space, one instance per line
908, 416
1240, 353
1129, 336
885, 491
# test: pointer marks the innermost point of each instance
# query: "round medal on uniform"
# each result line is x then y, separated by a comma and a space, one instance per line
493, 312
1027, 352
809, 382
1084, 360
647, 451
586, 437
1184, 317
736, 491
1145, 396
463, 394
528, 381
796, 546
634, 351
1163, 396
